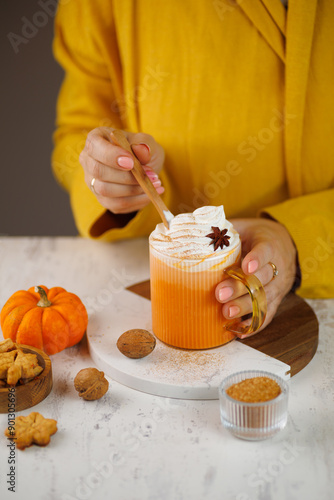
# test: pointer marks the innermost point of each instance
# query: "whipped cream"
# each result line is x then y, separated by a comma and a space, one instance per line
187, 236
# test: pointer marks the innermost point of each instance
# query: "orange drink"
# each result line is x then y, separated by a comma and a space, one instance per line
184, 271
185, 311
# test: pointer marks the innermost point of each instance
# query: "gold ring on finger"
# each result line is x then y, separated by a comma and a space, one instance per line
275, 270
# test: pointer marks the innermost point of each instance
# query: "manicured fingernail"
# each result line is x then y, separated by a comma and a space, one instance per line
125, 162
142, 144
151, 175
252, 266
233, 311
225, 293
157, 183
160, 189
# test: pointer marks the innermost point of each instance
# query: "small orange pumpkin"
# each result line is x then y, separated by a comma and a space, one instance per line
49, 319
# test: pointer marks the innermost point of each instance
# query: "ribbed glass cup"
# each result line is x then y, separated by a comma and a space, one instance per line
253, 421
185, 311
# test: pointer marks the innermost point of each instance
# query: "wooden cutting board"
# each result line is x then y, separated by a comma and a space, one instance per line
292, 336
283, 348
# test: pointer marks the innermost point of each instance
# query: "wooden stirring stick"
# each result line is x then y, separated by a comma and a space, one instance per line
119, 139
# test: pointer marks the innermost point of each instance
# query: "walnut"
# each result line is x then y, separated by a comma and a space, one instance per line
32, 429
136, 343
91, 384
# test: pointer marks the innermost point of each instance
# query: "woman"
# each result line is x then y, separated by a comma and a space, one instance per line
225, 103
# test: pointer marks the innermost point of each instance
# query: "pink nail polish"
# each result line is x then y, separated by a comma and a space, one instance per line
160, 190
152, 175
125, 162
233, 311
225, 293
252, 266
157, 183
143, 144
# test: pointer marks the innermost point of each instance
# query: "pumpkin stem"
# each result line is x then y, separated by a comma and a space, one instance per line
44, 301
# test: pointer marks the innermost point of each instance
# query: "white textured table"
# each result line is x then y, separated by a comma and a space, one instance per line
131, 445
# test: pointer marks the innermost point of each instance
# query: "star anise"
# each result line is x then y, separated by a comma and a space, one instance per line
219, 238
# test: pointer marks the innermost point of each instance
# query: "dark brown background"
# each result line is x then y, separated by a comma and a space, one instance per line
31, 201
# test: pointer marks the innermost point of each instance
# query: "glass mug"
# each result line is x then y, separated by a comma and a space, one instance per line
185, 311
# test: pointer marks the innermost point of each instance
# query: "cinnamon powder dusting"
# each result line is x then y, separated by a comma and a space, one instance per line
254, 390
186, 365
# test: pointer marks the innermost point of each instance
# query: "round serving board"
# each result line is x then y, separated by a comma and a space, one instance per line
33, 392
292, 336
284, 348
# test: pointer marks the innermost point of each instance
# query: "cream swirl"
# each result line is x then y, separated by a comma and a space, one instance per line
187, 235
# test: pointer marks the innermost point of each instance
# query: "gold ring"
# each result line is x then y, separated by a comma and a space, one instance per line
275, 270
92, 182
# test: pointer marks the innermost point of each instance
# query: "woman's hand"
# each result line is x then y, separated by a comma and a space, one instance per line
115, 187
263, 241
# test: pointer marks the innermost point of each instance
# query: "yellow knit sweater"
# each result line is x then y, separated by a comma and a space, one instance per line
240, 95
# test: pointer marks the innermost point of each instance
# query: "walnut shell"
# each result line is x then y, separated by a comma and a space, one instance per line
91, 384
136, 343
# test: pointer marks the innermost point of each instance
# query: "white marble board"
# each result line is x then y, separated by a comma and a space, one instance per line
169, 372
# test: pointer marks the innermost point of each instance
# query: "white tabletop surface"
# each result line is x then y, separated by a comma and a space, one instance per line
131, 445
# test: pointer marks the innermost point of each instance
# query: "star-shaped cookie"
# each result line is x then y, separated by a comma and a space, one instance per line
32, 429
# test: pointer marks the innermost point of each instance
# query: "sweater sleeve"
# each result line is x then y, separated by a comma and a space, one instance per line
310, 221
85, 45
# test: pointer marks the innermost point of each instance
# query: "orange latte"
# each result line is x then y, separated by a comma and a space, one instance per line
185, 311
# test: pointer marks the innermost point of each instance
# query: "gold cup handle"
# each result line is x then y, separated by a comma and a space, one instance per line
259, 302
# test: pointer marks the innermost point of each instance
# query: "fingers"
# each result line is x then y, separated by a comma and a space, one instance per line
125, 195
115, 186
265, 242
271, 311
230, 288
242, 307
120, 190
233, 293
103, 172
235, 299
101, 152
147, 150
258, 257
100, 148
142, 152
124, 205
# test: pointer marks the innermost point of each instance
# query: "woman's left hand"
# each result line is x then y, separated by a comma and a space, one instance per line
263, 241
